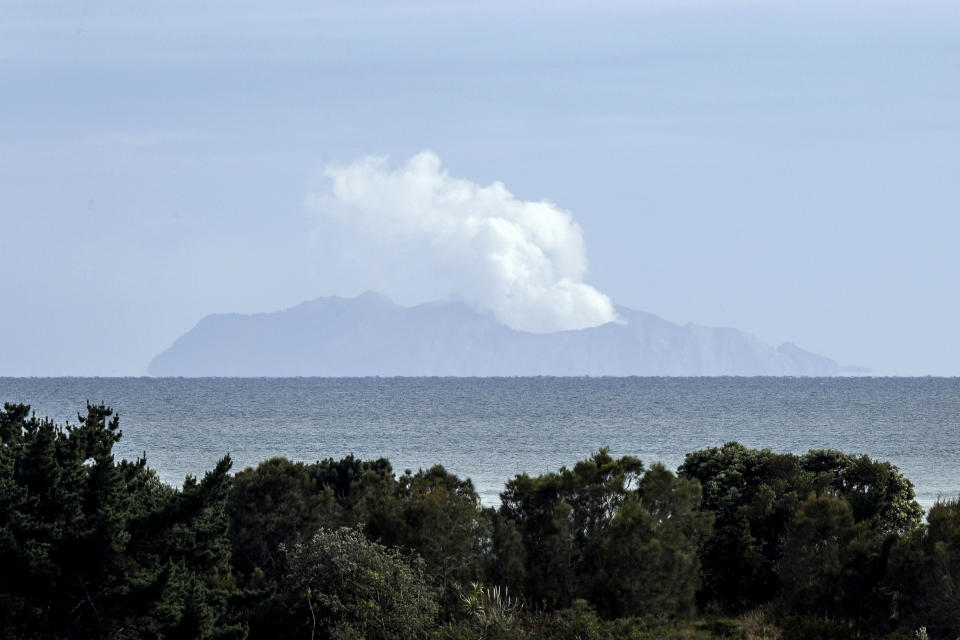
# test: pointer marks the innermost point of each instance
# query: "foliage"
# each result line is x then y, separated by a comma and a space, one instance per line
430, 513
833, 566
491, 611
755, 496
878, 494
343, 586
275, 503
925, 573
442, 521
649, 563
561, 519
825, 545
91, 548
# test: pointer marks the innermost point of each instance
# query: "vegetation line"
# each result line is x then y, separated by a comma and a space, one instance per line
736, 543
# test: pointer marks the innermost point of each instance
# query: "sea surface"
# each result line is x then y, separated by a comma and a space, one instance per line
489, 429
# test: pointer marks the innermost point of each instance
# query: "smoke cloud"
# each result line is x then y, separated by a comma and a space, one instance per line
417, 234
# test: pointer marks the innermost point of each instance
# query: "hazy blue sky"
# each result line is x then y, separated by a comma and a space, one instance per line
790, 169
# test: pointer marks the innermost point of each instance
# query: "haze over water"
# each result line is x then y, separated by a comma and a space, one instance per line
489, 429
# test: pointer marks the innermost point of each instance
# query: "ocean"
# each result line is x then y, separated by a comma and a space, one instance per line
489, 429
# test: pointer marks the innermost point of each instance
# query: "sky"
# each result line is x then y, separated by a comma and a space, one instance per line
787, 168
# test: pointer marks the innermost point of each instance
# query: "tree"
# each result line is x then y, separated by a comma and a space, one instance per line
341, 585
878, 494
91, 548
753, 495
63, 528
817, 556
183, 551
605, 532
925, 572
650, 561
275, 503
443, 522
365, 490
561, 518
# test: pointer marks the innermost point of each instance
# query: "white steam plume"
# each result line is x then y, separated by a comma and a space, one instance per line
417, 234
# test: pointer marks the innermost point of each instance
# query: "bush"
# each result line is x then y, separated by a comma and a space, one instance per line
342, 585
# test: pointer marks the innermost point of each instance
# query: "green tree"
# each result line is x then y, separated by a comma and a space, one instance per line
443, 522
91, 548
365, 490
275, 503
878, 494
925, 573
605, 532
506, 562
834, 568
817, 556
343, 586
187, 547
62, 531
650, 560
562, 517
753, 495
